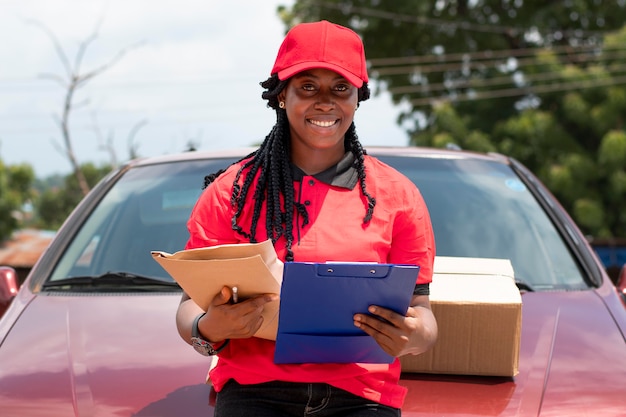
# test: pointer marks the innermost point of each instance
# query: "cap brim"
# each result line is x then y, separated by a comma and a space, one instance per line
353, 79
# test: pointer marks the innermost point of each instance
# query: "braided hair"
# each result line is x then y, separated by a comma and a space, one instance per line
272, 162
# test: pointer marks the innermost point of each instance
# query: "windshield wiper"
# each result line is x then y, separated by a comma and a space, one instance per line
522, 285
122, 281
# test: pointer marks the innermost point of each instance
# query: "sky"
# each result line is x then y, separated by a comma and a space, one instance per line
190, 73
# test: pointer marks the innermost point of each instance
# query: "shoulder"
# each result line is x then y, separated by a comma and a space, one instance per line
391, 186
209, 223
225, 181
380, 171
219, 191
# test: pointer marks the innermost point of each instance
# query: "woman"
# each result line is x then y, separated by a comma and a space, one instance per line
313, 190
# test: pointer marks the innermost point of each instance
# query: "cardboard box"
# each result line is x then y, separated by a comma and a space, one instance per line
478, 309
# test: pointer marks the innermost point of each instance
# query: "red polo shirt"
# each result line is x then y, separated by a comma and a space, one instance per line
399, 232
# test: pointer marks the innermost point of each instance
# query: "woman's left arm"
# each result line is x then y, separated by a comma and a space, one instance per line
412, 242
423, 325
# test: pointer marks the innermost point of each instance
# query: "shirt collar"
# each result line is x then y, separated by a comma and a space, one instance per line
343, 174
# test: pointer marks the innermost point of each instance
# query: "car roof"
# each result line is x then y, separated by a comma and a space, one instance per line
373, 150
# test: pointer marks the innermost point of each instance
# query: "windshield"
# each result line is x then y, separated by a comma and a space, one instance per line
478, 208
481, 209
146, 210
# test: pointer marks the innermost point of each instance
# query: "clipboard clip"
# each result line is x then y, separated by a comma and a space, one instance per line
357, 270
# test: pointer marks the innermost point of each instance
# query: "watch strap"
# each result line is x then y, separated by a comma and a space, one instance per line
200, 344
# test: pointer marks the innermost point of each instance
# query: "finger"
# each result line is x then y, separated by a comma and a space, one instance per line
222, 297
371, 324
380, 329
372, 327
252, 325
261, 300
387, 315
249, 313
252, 308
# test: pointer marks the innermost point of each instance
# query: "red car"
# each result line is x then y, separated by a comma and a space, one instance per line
91, 331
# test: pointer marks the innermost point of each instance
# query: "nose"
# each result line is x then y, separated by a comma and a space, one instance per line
325, 101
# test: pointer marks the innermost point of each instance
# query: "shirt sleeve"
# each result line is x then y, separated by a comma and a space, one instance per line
210, 219
421, 289
413, 238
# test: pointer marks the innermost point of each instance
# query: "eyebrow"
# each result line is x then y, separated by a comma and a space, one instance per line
308, 73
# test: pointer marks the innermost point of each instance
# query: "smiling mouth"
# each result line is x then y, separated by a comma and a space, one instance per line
322, 123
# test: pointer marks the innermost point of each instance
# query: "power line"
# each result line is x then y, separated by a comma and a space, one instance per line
450, 24
86, 127
494, 81
441, 67
480, 61
530, 90
144, 82
492, 54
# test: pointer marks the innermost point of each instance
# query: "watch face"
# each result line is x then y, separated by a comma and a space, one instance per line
202, 346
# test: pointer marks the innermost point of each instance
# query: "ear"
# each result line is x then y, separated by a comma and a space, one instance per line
281, 96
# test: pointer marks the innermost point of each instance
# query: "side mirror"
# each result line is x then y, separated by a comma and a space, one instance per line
621, 283
8, 287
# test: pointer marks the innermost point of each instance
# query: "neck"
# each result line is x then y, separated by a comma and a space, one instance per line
313, 161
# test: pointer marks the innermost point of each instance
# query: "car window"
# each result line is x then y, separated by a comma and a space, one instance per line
482, 209
478, 208
146, 210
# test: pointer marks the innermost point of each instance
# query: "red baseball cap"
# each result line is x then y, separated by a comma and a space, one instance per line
322, 45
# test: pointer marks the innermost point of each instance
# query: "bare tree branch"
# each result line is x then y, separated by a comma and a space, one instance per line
58, 147
105, 145
71, 83
57, 45
133, 147
88, 76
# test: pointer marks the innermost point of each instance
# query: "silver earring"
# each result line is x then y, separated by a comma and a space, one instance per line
281, 104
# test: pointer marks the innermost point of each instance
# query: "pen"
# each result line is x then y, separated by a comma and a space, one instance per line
235, 297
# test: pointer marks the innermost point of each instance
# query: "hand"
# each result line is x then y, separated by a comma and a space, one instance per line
225, 320
399, 335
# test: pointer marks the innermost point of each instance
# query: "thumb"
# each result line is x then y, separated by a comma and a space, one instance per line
222, 297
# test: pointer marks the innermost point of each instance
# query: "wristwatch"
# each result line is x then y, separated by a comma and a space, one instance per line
201, 345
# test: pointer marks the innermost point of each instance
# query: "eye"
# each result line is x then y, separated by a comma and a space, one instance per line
308, 87
342, 87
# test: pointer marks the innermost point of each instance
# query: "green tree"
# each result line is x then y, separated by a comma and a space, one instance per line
540, 81
15, 191
54, 204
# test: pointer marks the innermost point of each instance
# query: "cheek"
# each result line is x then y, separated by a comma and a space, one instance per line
352, 104
295, 114
349, 110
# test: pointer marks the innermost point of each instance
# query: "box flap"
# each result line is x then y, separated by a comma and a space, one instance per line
474, 280
476, 266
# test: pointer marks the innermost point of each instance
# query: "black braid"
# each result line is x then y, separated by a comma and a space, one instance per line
353, 144
272, 163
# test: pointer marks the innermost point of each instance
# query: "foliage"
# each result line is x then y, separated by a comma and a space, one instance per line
54, 204
15, 191
543, 82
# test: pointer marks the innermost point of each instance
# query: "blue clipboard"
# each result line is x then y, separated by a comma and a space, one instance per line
318, 302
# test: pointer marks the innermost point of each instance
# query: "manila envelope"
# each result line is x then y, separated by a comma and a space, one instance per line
253, 268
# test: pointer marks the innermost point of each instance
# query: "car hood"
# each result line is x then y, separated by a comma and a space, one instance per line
116, 355
572, 363
120, 355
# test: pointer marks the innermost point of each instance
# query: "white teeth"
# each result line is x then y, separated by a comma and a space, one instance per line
322, 123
